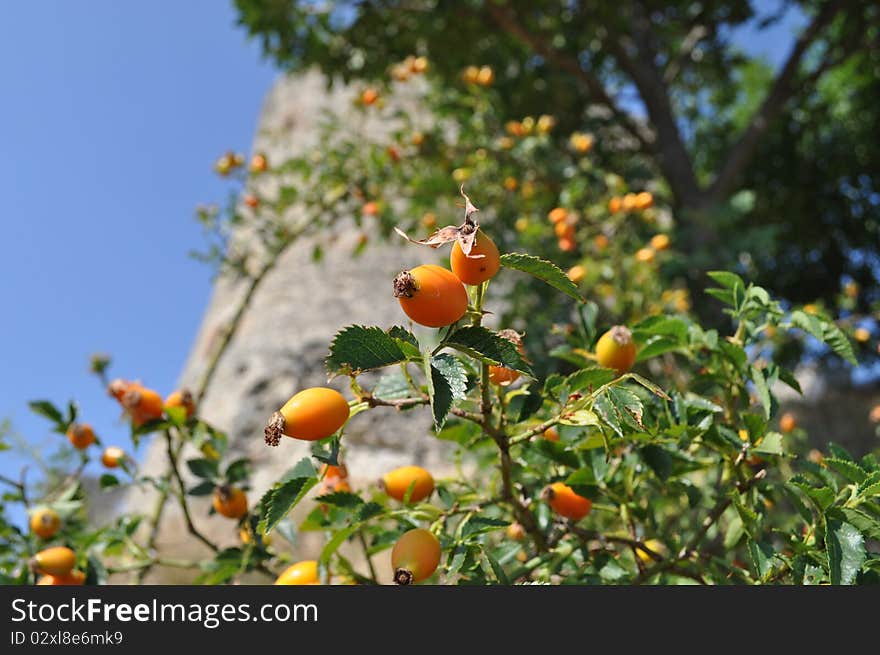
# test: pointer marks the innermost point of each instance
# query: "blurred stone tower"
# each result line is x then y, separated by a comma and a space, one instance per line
283, 339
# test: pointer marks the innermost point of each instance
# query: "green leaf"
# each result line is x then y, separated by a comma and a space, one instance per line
870, 486
393, 386
204, 488
821, 497
368, 511
557, 452
626, 405
523, 405
657, 346
203, 468
650, 386
834, 337
850, 470
106, 481
447, 381
406, 339
727, 279
845, 548
48, 410
238, 470
867, 524
482, 524
340, 499
588, 379
543, 270
339, 538
280, 499
488, 347
788, 377
581, 417
771, 444
176, 415
497, 569
762, 390
357, 348
658, 460
761, 554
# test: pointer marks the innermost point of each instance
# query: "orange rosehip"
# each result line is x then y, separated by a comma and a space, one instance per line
482, 264
471, 74
486, 76
787, 422
74, 578
369, 96
397, 482
550, 434
515, 532
81, 435
142, 404
58, 560
557, 215
415, 556
501, 375
310, 415
301, 573
565, 502
182, 398
645, 255
230, 502
660, 241
615, 204
44, 522
567, 244
251, 200
112, 457
431, 295
616, 349
601, 242
370, 208
643, 200
259, 163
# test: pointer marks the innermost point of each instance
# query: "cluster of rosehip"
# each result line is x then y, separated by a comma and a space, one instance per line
431, 296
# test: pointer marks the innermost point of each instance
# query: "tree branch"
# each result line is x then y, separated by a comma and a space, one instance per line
780, 91
637, 60
506, 20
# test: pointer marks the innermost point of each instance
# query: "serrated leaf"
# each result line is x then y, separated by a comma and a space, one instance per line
482, 524
867, 524
870, 486
439, 392
545, 271
822, 497
788, 378
339, 538
850, 470
393, 386
761, 555
202, 467
455, 373
204, 488
368, 511
489, 347
581, 417
771, 444
358, 348
655, 346
340, 499
650, 386
280, 499
48, 410
106, 481
237, 470
727, 279
557, 452
590, 378
405, 336
837, 340
627, 405
845, 548
496, 567
762, 390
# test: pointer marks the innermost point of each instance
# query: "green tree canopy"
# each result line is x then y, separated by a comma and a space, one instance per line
672, 97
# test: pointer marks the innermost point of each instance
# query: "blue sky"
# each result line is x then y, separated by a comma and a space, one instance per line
112, 115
